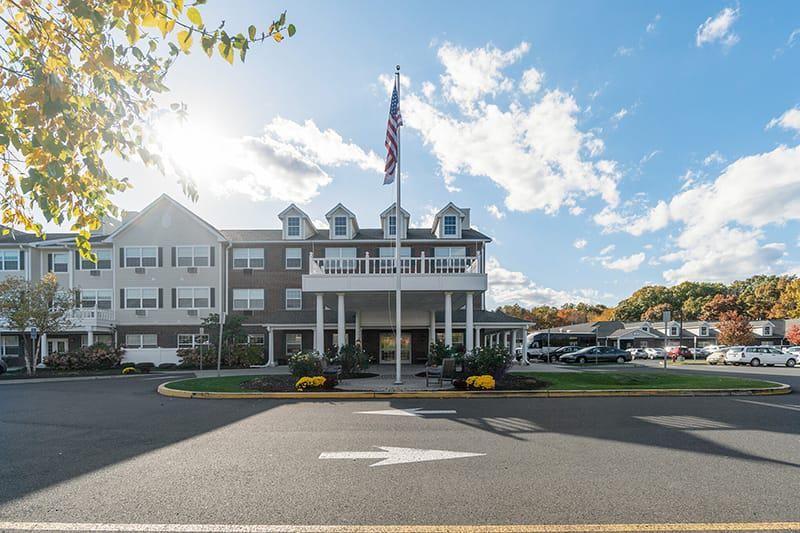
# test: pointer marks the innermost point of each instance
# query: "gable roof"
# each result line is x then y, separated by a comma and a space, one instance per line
438, 216
390, 211
164, 197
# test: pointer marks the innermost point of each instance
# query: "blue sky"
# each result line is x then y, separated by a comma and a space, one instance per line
602, 145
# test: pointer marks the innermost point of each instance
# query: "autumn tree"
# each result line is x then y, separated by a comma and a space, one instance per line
793, 334
78, 81
632, 308
718, 305
734, 330
656, 313
41, 304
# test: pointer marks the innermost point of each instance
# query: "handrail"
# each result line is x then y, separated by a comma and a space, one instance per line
386, 265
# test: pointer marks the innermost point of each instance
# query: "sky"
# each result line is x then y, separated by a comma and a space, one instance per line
601, 145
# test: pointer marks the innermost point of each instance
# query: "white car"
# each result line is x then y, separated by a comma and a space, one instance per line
717, 357
656, 353
637, 353
759, 355
794, 350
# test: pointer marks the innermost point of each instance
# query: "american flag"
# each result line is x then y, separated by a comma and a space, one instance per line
392, 127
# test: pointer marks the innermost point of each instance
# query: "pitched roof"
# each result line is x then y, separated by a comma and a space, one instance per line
164, 197
364, 234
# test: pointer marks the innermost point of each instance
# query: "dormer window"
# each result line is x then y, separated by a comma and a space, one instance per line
340, 226
703, 331
673, 331
450, 225
392, 221
645, 328
767, 330
293, 226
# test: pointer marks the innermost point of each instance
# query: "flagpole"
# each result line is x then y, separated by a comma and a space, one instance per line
398, 221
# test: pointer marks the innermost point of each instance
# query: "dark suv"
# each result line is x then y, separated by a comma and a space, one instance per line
596, 354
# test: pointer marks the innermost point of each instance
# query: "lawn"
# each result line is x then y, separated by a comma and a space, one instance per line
221, 384
641, 380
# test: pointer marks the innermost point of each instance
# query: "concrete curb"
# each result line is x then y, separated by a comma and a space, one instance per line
163, 389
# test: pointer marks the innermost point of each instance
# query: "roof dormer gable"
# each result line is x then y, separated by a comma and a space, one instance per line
296, 223
342, 222
388, 223
450, 221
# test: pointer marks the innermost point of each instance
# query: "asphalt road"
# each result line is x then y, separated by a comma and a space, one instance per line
115, 451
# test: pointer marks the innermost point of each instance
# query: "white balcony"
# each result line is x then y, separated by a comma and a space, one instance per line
96, 318
368, 274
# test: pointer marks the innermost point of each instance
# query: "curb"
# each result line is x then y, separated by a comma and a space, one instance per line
164, 390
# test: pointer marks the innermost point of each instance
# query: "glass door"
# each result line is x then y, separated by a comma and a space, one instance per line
388, 346
56, 345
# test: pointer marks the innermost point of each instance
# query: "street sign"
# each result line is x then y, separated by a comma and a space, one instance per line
34, 333
414, 411
667, 315
395, 456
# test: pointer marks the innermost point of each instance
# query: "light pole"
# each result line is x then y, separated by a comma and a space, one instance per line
667, 316
202, 331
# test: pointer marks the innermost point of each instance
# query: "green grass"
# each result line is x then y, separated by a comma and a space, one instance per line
222, 384
641, 380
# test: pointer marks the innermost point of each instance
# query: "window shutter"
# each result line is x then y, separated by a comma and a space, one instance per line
49, 262
212, 299
121, 257
173, 256
160, 256
174, 297
160, 296
22, 260
121, 296
77, 260
211, 256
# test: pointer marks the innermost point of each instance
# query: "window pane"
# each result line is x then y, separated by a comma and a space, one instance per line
239, 263
149, 341
132, 340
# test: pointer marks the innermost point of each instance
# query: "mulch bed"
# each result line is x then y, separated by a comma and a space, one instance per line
277, 383
516, 382
358, 375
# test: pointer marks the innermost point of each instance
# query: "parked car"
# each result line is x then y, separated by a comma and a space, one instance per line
759, 355
680, 351
594, 354
3, 366
795, 350
717, 357
656, 353
637, 353
555, 354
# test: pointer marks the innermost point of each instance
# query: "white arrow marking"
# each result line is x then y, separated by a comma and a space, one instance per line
394, 456
415, 411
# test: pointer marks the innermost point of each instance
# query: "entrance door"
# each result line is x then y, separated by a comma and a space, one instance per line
388, 346
56, 345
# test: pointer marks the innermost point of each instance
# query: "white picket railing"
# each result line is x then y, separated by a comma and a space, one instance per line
92, 316
384, 265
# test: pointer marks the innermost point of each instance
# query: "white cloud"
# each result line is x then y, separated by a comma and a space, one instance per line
387, 82
320, 223
647, 157
624, 51
714, 158
576, 210
607, 250
790, 120
471, 74
495, 211
619, 115
651, 26
719, 29
531, 81
722, 222
425, 220
793, 39
428, 89
535, 152
626, 264
507, 287
580, 243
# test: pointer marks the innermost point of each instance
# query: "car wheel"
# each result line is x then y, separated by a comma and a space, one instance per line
620, 359
755, 362
710, 363
581, 360
791, 362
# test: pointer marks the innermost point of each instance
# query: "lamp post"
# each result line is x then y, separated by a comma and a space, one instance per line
202, 331
667, 316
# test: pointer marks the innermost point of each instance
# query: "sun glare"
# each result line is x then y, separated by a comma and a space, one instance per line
190, 149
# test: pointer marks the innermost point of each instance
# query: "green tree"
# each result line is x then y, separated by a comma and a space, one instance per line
41, 304
632, 308
656, 313
718, 305
232, 331
78, 82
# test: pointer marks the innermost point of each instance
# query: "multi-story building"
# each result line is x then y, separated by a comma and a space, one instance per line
162, 270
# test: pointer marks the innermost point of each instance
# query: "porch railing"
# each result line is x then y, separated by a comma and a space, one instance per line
92, 316
385, 265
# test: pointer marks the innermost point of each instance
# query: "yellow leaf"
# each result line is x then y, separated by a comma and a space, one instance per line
226, 52
132, 31
194, 16
178, 4
184, 41
149, 20
277, 36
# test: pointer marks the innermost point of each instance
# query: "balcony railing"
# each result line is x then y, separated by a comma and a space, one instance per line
383, 265
98, 317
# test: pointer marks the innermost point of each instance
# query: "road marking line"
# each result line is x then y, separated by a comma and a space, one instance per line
684, 422
779, 406
392, 455
540, 528
414, 411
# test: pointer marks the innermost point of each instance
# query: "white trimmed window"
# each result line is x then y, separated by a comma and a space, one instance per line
141, 256
9, 260
60, 262
340, 258
256, 339
95, 298
9, 345
294, 299
767, 330
248, 258
293, 226
450, 257
141, 298
141, 340
192, 340
340, 226
192, 256
703, 331
294, 343
103, 260
248, 299
392, 225
450, 225
194, 297
294, 258
673, 331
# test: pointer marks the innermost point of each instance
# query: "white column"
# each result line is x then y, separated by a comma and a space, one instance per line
340, 319
319, 337
432, 328
90, 338
505, 339
514, 345
469, 340
358, 327
271, 347
524, 333
448, 318
478, 337
43, 351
